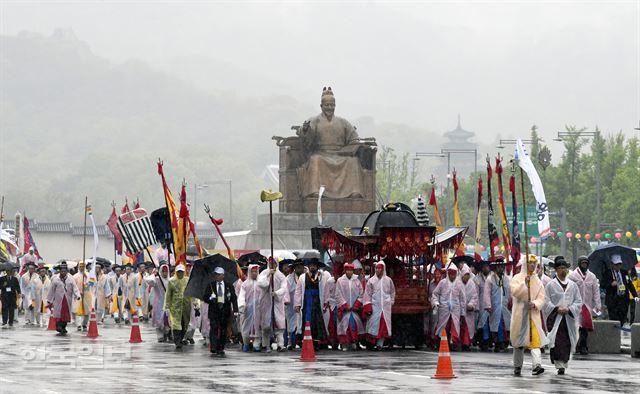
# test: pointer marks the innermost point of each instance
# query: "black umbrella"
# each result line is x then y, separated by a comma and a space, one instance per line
252, 258
600, 259
202, 274
105, 262
8, 266
464, 258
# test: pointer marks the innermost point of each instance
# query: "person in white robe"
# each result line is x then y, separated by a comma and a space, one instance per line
563, 304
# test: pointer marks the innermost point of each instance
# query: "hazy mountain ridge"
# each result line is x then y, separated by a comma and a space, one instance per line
103, 125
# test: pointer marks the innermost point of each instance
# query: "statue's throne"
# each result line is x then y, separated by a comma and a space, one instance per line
292, 157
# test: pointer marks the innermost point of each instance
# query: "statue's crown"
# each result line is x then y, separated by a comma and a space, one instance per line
326, 91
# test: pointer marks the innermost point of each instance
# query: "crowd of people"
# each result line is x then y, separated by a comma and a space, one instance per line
268, 307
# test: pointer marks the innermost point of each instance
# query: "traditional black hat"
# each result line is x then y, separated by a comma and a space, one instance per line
560, 263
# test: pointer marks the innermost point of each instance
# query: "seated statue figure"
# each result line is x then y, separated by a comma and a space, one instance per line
330, 145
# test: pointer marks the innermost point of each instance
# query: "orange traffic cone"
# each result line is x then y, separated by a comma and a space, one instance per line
93, 326
52, 323
135, 330
444, 369
308, 354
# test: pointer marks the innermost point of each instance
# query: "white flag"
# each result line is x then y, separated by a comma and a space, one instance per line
92, 273
542, 210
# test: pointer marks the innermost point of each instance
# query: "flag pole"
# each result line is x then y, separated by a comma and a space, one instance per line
526, 242
2, 212
84, 246
524, 214
115, 248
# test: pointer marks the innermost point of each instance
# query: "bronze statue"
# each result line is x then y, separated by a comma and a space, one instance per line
330, 143
327, 151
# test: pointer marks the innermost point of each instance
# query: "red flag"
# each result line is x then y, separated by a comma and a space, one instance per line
28, 239
434, 204
494, 240
456, 213
112, 223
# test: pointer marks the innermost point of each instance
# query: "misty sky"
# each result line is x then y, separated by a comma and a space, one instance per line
504, 65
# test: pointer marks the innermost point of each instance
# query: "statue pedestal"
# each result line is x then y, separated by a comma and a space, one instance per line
293, 230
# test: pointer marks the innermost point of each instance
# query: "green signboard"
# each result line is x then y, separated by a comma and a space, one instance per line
532, 221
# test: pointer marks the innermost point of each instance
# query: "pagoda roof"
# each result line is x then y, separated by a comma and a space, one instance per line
459, 133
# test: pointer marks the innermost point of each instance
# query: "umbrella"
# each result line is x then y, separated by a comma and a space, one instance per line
252, 258
8, 266
105, 262
70, 263
202, 274
600, 259
463, 259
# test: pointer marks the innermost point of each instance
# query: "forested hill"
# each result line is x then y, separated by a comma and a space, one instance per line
103, 125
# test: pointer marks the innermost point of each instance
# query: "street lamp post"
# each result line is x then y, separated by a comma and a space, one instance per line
197, 187
225, 182
503, 142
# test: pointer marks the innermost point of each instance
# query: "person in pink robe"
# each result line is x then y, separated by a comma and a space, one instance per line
468, 319
157, 283
272, 304
348, 296
379, 297
330, 307
61, 295
449, 301
589, 287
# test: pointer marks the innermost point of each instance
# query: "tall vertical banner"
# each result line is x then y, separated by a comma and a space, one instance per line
506, 241
542, 209
112, 223
434, 203
456, 213
478, 230
494, 240
92, 272
515, 232
171, 205
29, 242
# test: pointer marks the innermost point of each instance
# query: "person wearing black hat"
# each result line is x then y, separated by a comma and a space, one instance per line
562, 307
9, 291
101, 292
129, 286
497, 296
310, 301
116, 294
143, 294
63, 291
294, 319
40, 287
591, 304
223, 304
483, 333
25, 290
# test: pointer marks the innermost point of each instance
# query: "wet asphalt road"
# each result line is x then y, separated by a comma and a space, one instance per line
34, 360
